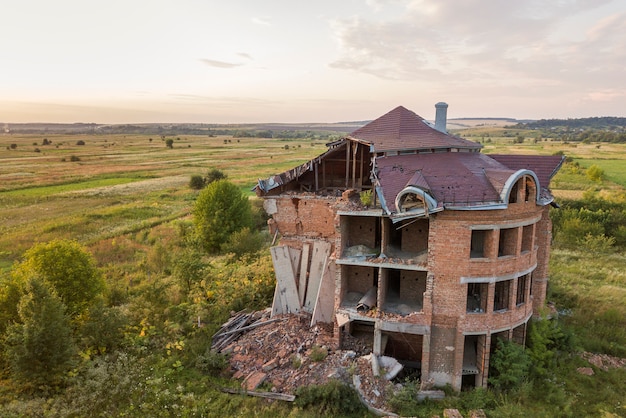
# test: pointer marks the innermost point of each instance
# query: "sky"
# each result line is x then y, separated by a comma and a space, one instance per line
250, 61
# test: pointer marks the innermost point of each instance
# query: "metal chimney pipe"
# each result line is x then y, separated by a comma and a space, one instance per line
441, 116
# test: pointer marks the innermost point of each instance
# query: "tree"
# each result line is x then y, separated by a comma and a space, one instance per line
169, 142
40, 348
220, 210
509, 365
68, 268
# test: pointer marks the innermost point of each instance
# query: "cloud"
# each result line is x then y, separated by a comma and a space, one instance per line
486, 43
220, 64
261, 21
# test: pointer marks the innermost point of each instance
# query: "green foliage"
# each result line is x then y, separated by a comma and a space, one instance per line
189, 267
10, 293
508, 366
214, 174
244, 242
102, 328
159, 259
211, 362
594, 223
196, 182
68, 268
220, 210
546, 342
595, 173
318, 353
333, 398
40, 348
366, 197
235, 286
169, 142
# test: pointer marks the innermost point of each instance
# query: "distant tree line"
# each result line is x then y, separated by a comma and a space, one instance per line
604, 122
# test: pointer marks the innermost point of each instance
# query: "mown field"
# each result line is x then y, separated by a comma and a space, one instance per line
127, 199
114, 185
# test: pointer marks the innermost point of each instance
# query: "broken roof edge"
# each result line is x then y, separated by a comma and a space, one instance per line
277, 180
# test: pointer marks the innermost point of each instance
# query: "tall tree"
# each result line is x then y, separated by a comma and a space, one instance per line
220, 210
39, 348
68, 268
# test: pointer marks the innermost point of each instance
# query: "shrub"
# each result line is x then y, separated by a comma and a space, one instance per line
214, 174
333, 399
211, 362
318, 353
508, 366
68, 268
595, 173
243, 242
40, 348
80, 142
366, 197
196, 182
220, 210
74, 158
169, 142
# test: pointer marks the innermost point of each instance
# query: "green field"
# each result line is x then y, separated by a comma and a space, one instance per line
127, 200
45, 194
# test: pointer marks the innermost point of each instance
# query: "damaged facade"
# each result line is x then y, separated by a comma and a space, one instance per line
450, 255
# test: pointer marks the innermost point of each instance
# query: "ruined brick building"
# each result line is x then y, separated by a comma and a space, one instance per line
450, 254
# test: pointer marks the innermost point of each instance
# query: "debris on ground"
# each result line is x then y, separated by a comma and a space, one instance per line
287, 354
604, 361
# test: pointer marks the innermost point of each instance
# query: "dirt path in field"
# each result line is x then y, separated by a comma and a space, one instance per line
142, 186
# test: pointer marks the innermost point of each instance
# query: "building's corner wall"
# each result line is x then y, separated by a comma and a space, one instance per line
543, 241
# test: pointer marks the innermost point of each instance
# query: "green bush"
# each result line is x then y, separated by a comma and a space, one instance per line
68, 267
196, 182
211, 362
40, 348
244, 242
220, 210
333, 398
509, 365
595, 173
214, 174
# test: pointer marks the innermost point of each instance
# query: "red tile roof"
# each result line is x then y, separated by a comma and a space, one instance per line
544, 166
452, 178
402, 129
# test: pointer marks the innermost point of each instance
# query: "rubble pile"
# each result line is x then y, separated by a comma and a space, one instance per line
282, 353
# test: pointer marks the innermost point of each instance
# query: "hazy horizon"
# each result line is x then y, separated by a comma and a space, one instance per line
117, 62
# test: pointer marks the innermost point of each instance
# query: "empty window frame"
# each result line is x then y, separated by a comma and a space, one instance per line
527, 237
507, 244
502, 295
478, 244
513, 194
522, 285
476, 297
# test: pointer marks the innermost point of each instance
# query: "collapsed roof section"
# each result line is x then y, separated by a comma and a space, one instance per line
416, 169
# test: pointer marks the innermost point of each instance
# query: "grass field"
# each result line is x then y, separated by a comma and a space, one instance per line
122, 196
114, 184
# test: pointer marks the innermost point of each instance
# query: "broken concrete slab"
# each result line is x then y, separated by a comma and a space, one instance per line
303, 278
319, 256
288, 301
325, 303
